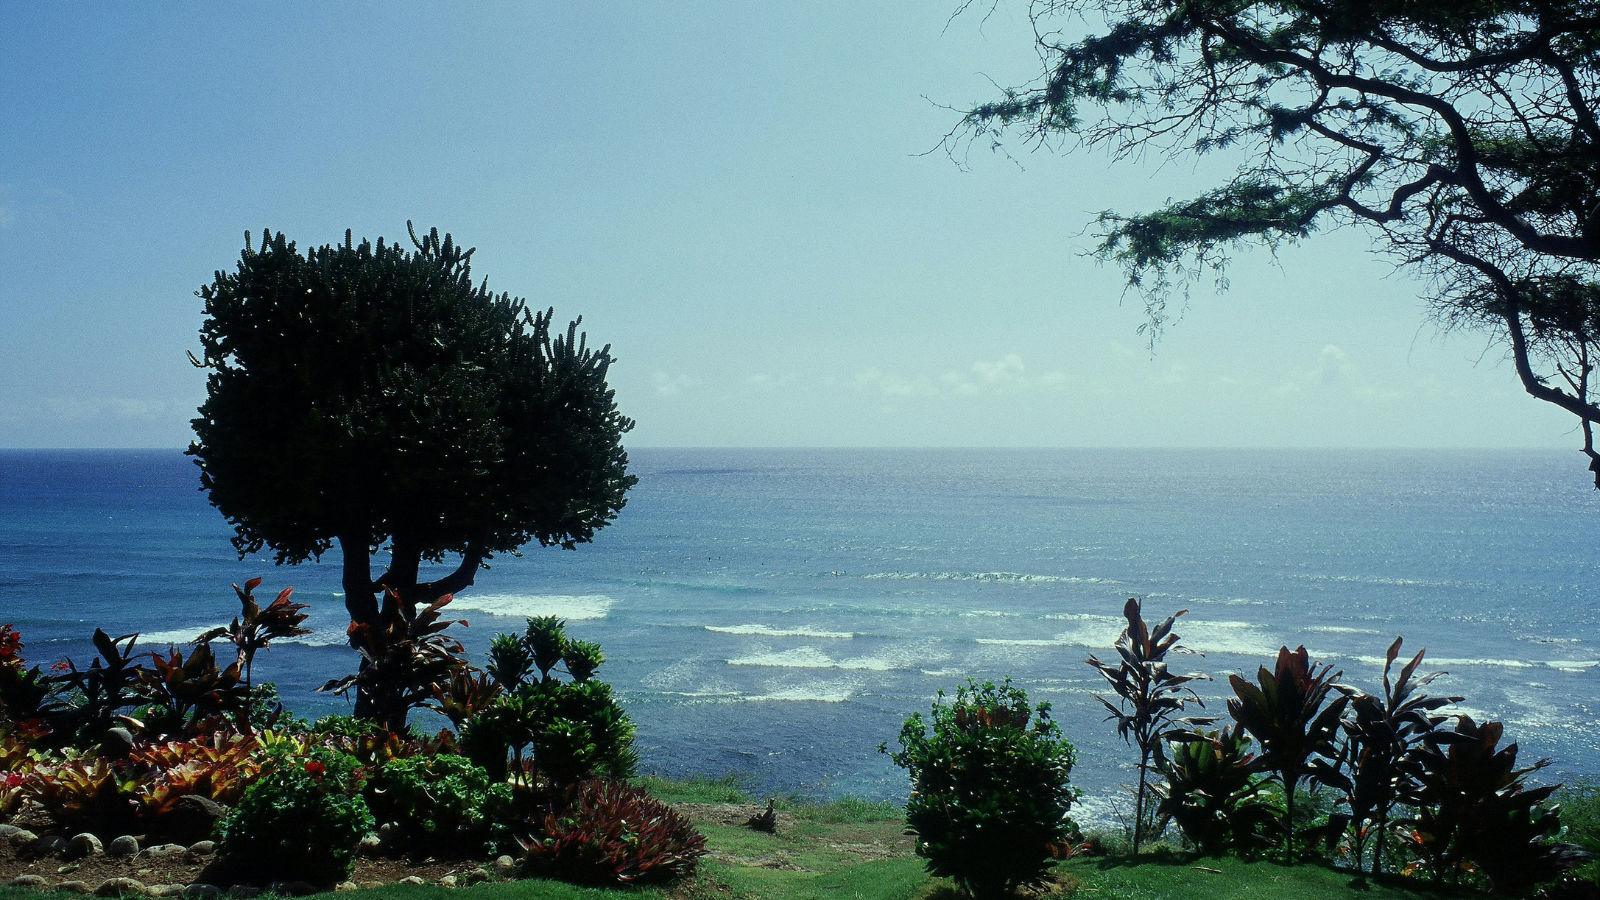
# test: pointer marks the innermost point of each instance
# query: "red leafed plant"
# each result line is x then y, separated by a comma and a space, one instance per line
258, 626
608, 832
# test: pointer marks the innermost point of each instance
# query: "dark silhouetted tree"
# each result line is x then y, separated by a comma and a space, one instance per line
1461, 133
373, 397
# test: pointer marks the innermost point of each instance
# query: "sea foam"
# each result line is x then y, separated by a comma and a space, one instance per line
562, 606
769, 631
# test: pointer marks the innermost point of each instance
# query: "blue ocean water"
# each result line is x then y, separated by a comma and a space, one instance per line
779, 612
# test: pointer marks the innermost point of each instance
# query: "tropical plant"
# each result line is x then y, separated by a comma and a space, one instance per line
374, 397
1474, 810
1295, 722
406, 658
565, 731
603, 831
110, 684
190, 696
255, 628
1214, 793
83, 794
300, 822
1149, 699
441, 802
989, 788
468, 693
27, 695
1382, 733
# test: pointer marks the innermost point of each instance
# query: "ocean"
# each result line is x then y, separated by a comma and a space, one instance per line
778, 613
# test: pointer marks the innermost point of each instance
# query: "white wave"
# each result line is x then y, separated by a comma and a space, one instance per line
813, 691
1573, 665
562, 606
149, 639
1456, 661
812, 658
988, 614
769, 631
991, 577
1339, 629
797, 658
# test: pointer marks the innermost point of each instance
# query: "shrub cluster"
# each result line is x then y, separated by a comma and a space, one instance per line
1417, 790
990, 792
184, 742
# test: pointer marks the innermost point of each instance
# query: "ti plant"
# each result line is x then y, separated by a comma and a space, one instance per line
404, 659
1382, 734
1150, 699
1214, 795
109, 684
1295, 722
255, 627
1473, 809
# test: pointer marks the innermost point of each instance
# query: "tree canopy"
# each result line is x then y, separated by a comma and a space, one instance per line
1461, 133
372, 395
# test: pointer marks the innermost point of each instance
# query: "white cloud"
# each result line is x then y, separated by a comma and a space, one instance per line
673, 385
1006, 375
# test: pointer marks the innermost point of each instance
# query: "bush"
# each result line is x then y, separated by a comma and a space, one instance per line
567, 730
1215, 795
444, 802
989, 796
300, 822
607, 832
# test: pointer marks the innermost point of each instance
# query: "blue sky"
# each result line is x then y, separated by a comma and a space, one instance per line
738, 197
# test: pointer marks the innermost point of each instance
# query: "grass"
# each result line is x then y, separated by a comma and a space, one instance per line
852, 848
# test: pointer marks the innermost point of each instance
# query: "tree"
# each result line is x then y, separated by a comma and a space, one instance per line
372, 396
1461, 133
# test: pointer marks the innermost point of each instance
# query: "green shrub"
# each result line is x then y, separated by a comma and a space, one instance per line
1580, 815
443, 802
989, 796
607, 832
1215, 796
566, 731
299, 822
1475, 810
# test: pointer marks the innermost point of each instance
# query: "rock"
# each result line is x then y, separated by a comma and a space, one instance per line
126, 845
121, 887
505, 866
160, 850
202, 890
411, 879
17, 837
81, 845
203, 848
193, 818
475, 876
372, 885
346, 886
448, 881
371, 845
74, 887
29, 881
243, 890
168, 890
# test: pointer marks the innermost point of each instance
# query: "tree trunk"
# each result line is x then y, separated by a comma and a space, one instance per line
361, 601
